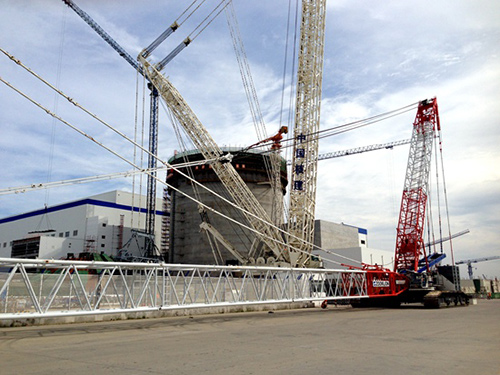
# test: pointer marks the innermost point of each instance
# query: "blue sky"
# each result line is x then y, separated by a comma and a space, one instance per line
378, 57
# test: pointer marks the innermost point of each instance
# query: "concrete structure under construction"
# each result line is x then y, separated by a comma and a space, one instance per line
100, 223
481, 287
189, 244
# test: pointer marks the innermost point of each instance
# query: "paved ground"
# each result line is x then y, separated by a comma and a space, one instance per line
463, 340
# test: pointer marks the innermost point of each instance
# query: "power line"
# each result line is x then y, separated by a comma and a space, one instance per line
339, 129
208, 208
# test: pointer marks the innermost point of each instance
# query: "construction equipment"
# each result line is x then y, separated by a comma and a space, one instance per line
275, 139
329, 155
209, 228
273, 161
430, 283
448, 238
270, 235
409, 240
421, 277
305, 157
477, 260
307, 117
239, 191
153, 124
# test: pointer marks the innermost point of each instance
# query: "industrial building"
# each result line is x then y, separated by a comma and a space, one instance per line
350, 245
114, 220
101, 223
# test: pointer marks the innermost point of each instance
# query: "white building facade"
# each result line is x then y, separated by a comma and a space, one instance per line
347, 244
101, 223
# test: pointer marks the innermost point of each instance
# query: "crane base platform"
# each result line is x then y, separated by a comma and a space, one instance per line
437, 299
432, 299
385, 302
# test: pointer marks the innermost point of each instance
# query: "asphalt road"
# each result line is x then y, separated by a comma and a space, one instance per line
461, 340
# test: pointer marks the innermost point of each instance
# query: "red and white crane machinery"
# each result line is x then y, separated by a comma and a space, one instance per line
409, 241
417, 276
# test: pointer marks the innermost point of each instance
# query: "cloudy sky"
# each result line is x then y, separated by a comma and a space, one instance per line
378, 57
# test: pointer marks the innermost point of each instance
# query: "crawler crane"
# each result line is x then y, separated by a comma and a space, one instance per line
418, 276
430, 283
309, 95
236, 187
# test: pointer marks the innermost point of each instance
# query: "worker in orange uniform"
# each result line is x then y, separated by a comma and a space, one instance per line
277, 138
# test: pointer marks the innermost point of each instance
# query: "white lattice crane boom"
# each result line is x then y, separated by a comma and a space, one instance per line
239, 191
307, 117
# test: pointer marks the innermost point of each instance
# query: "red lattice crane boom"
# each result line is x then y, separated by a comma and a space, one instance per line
409, 241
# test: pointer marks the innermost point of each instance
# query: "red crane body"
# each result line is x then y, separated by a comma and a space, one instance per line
409, 241
408, 282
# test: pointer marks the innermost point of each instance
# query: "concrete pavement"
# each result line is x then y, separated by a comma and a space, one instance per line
410, 340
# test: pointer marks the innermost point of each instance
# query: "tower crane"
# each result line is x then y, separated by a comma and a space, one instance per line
447, 238
307, 117
359, 150
477, 260
153, 124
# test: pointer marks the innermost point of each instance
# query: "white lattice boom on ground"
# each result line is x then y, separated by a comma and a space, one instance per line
42, 288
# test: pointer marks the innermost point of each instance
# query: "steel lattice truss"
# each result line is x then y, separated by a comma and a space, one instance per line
307, 117
409, 241
239, 191
43, 288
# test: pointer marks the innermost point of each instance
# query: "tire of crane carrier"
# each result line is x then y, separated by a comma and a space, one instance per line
324, 304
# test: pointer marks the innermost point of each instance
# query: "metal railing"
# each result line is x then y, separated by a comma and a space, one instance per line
49, 288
